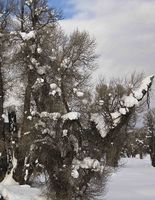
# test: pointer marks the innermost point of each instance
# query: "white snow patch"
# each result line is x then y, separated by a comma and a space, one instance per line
65, 131
75, 90
75, 173
53, 86
130, 101
143, 87
39, 50
98, 119
5, 117
116, 117
41, 70
39, 82
71, 116
55, 89
26, 175
123, 111
20, 192
79, 94
8, 180
27, 133
85, 101
101, 102
53, 92
34, 61
12, 102
86, 163
53, 116
135, 181
27, 36
29, 118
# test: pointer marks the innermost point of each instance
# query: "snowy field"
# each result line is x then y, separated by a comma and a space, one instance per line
134, 181
17, 192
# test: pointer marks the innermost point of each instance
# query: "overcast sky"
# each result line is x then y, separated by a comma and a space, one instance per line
124, 32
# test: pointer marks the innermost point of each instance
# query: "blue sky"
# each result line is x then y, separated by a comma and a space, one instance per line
65, 6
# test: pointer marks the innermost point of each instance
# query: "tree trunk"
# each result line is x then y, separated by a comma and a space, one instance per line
153, 159
27, 102
22, 15
152, 149
24, 143
3, 157
2, 136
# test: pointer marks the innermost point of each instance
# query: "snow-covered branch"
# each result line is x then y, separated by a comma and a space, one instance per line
126, 104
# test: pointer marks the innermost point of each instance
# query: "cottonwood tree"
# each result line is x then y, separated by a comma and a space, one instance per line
32, 18
80, 153
48, 57
73, 164
108, 98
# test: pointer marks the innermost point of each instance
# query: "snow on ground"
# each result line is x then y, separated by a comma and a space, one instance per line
134, 181
20, 192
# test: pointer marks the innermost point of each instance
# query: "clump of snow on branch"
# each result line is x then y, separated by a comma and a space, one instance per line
53, 86
86, 163
116, 117
53, 116
123, 111
34, 61
129, 101
65, 63
71, 116
132, 100
27, 36
98, 119
39, 82
55, 89
78, 93
29, 118
39, 50
101, 102
138, 94
28, 2
65, 131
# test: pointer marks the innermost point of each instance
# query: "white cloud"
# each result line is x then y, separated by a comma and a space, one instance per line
124, 31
